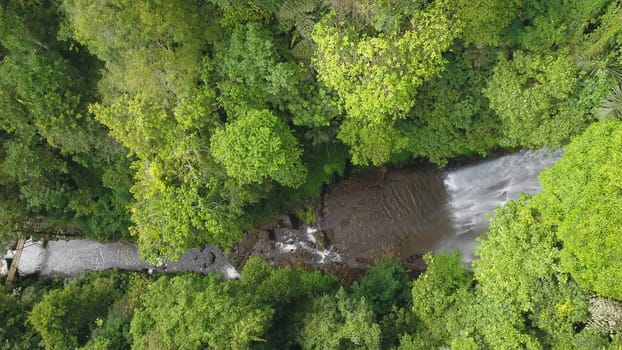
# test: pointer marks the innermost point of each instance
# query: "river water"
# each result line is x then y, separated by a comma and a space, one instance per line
402, 213
409, 212
69, 258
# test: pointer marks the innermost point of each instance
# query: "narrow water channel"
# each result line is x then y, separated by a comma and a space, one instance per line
403, 213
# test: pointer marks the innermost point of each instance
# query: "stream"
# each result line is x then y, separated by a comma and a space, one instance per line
402, 213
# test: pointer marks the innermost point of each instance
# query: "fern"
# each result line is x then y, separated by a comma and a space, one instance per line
304, 26
301, 15
304, 49
293, 9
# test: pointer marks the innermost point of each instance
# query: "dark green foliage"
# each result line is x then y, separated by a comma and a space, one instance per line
55, 156
231, 109
385, 286
253, 75
289, 293
112, 332
452, 116
65, 317
15, 305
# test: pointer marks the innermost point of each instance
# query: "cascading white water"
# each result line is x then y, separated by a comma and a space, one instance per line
410, 212
475, 191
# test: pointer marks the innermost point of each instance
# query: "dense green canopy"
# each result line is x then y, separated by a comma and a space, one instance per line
176, 123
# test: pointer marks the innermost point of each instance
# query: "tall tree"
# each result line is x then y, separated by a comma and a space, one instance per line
376, 76
258, 146
193, 312
583, 194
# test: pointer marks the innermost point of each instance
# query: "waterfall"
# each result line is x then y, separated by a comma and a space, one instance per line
414, 211
473, 192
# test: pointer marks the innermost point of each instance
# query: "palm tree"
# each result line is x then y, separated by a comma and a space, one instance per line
611, 106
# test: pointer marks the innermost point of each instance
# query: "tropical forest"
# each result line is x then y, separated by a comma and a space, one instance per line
172, 125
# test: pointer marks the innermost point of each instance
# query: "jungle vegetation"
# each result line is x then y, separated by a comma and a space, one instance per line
175, 123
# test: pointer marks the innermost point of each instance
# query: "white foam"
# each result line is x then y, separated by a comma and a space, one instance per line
476, 190
230, 272
286, 247
9, 254
4, 269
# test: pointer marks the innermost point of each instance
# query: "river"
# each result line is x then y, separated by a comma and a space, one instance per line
402, 213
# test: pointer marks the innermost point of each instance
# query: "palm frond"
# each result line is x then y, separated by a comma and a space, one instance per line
611, 106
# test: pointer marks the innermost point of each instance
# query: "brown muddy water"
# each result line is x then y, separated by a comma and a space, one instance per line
408, 212
400, 213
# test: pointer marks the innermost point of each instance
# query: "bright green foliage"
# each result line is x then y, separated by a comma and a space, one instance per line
194, 312
376, 77
523, 290
340, 322
179, 191
541, 100
583, 193
438, 296
65, 317
384, 286
485, 21
258, 146
604, 40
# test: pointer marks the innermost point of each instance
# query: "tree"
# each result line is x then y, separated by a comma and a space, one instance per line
583, 194
66, 316
58, 164
384, 287
441, 297
194, 312
542, 100
151, 48
258, 146
254, 74
452, 116
339, 322
485, 21
377, 76
524, 290
289, 292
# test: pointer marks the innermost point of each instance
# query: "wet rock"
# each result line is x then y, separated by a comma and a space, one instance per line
415, 264
264, 234
295, 221
211, 258
323, 239
286, 221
